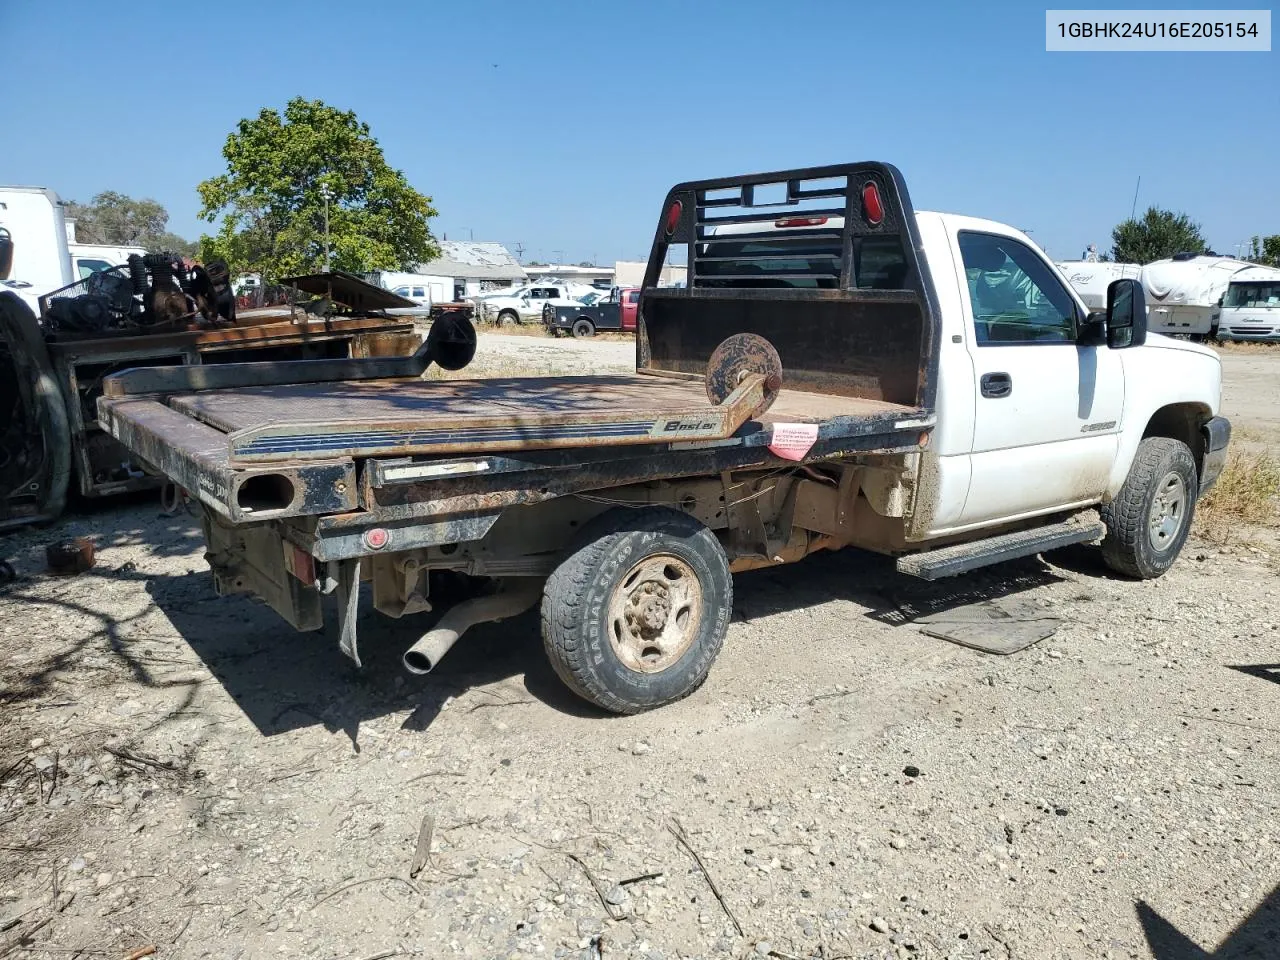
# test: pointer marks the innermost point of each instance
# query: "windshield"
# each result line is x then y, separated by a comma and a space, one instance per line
1262, 294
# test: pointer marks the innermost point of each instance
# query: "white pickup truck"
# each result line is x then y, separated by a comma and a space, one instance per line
839, 371
526, 303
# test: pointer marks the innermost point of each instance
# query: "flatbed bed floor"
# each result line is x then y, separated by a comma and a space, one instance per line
431, 404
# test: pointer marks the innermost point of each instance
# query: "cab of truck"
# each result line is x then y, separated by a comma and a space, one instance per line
1038, 406
1250, 308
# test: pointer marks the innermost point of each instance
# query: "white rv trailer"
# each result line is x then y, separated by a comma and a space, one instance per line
1184, 293
1251, 305
32, 217
1092, 277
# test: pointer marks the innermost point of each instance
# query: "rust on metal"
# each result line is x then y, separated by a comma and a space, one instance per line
737, 358
466, 416
69, 557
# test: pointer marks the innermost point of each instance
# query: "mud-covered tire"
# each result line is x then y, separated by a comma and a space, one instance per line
583, 638
1142, 539
584, 328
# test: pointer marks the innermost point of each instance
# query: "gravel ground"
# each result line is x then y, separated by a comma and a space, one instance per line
184, 771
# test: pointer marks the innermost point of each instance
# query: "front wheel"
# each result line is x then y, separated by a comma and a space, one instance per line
1148, 521
507, 318
634, 616
584, 328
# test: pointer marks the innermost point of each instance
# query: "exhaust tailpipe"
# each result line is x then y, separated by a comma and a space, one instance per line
424, 655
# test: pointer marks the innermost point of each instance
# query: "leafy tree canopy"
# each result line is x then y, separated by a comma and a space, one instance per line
1159, 234
1266, 250
113, 218
271, 198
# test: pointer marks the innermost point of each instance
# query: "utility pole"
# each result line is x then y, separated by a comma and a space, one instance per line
326, 193
559, 256
1134, 209
519, 251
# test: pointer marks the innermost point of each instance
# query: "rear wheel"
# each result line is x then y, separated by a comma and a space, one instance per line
1148, 521
584, 328
633, 618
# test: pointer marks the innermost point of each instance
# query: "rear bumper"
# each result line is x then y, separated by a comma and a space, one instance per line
1217, 436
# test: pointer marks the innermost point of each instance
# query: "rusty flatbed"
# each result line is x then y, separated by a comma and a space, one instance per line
395, 417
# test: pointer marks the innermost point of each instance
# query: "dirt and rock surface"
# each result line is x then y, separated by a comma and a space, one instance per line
183, 771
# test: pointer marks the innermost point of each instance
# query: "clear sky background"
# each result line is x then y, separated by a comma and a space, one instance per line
561, 125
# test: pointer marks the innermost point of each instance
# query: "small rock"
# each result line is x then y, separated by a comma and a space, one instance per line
37, 743
911, 770
103, 879
617, 895
1060, 811
764, 948
43, 762
640, 749
879, 924
76, 865
898, 843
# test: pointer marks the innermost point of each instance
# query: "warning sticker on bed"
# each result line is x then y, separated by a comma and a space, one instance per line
791, 441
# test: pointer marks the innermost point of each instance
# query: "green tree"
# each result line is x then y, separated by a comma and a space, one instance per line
114, 218
1266, 250
1159, 234
272, 205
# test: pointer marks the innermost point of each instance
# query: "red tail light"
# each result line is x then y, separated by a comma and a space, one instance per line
673, 216
800, 222
872, 208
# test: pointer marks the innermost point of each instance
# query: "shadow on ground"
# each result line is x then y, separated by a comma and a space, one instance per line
1257, 936
1263, 671
284, 680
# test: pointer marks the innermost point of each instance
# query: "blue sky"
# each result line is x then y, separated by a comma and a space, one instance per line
560, 125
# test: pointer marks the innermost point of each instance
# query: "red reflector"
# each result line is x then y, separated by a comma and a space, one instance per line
673, 217
872, 208
377, 538
800, 222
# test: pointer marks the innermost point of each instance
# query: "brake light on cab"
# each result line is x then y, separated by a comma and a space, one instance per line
872, 208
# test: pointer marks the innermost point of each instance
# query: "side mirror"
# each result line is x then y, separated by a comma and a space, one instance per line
1126, 314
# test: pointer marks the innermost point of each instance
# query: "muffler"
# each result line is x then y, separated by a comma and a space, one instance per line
423, 656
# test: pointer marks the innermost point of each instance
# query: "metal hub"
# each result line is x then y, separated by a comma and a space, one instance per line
1168, 511
654, 613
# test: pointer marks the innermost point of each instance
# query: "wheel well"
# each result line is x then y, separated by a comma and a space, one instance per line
1181, 421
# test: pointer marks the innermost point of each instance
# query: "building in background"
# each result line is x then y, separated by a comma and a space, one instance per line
572, 273
465, 268
630, 273
474, 267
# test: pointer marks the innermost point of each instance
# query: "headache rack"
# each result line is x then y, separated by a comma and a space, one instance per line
824, 262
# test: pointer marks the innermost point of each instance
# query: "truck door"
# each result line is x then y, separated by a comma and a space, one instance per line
630, 304
1047, 420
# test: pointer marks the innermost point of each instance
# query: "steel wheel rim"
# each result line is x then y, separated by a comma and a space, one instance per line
654, 613
1168, 511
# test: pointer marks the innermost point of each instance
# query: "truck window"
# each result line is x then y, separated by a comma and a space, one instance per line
776, 259
1014, 296
633, 296
1253, 295
87, 267
418, 293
